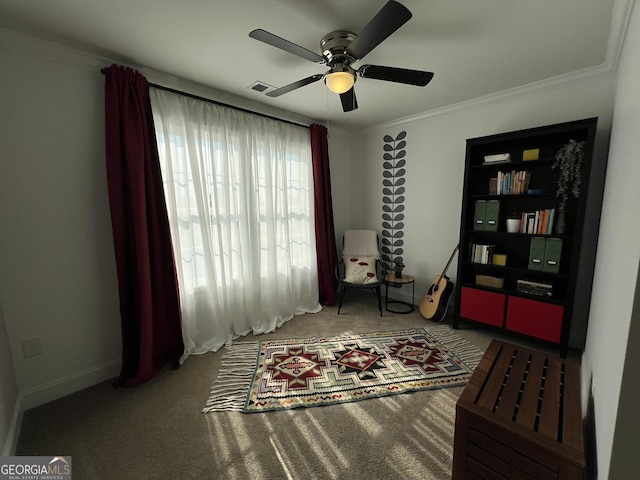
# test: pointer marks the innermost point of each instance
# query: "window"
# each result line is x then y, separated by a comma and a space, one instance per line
239, 191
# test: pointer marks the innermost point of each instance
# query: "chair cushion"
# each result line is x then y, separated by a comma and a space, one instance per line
359, 270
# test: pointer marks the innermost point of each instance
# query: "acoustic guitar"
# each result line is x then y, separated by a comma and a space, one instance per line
434, 303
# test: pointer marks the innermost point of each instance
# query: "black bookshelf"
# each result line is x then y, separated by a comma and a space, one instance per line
527, 297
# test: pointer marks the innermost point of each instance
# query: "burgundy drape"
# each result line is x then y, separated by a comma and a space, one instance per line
147, 280
323, 209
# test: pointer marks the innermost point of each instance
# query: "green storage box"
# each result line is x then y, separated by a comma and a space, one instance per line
493, 213
536, 253
552, 254
480, 215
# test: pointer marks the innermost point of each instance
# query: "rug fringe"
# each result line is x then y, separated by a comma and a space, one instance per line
464, 350
229, 389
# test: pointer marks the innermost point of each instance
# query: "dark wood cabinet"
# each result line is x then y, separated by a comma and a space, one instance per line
519, 417
539, 273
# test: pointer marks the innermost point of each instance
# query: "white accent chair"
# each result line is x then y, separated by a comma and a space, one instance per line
360, 267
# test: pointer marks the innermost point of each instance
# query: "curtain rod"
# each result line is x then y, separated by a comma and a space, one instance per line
215, 102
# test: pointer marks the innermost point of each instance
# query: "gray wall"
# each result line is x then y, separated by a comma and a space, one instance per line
624, 450
611, 346
9, 403
58, 280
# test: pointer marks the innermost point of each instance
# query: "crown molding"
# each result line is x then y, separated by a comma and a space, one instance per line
72, 57
563, 81
620, 16
46, 50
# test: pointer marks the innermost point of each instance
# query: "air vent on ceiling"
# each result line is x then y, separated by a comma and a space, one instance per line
261, 87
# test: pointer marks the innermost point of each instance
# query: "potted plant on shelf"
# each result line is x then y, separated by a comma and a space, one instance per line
569, 161
397, 268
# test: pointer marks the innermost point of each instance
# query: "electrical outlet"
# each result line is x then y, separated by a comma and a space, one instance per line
31, 347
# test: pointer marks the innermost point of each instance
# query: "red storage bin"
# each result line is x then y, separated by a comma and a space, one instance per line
482, 306
534, 318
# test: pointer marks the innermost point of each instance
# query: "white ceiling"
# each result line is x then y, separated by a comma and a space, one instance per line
474, 47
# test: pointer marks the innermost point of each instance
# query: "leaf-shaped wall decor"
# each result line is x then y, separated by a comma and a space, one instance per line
393, 196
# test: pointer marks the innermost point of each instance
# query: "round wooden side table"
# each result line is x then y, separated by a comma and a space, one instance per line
395, 282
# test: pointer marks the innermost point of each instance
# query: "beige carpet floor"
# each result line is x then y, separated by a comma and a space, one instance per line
158, 431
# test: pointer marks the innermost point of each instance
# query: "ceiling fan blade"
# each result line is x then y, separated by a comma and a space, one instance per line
286, 45
348, 100
292, 86
389, 19
398, 75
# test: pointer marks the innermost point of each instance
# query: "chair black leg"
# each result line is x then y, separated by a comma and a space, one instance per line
340, 298
379, 299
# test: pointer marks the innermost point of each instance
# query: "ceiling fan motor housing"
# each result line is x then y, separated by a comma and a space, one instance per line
334, 46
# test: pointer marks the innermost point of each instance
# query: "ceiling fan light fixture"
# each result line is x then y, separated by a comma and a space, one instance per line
339, 82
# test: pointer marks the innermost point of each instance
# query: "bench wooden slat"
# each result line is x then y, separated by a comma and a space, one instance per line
518, 453
527, 412
517, 442
497, 465
509, 400
492, 387
551, 401
572, 414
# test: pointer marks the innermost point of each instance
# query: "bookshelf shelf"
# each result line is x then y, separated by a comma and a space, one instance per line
515, 164
544, 273
517, 195
514, 294
512, 270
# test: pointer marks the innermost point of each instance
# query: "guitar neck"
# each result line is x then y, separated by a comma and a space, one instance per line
444, 272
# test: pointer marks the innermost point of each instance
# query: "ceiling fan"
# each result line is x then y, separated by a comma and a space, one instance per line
341, 49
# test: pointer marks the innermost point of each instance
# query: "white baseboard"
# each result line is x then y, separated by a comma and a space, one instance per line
11, 441
62, 387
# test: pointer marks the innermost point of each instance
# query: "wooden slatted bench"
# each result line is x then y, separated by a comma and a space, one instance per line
519, 417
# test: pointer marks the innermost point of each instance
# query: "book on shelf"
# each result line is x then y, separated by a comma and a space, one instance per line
480, 253
539, 222
497, 158
513, 182
493, 186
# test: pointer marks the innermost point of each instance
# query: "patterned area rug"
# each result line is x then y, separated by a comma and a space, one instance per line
283, 374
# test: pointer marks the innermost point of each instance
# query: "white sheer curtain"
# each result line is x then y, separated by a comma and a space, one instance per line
239, 191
